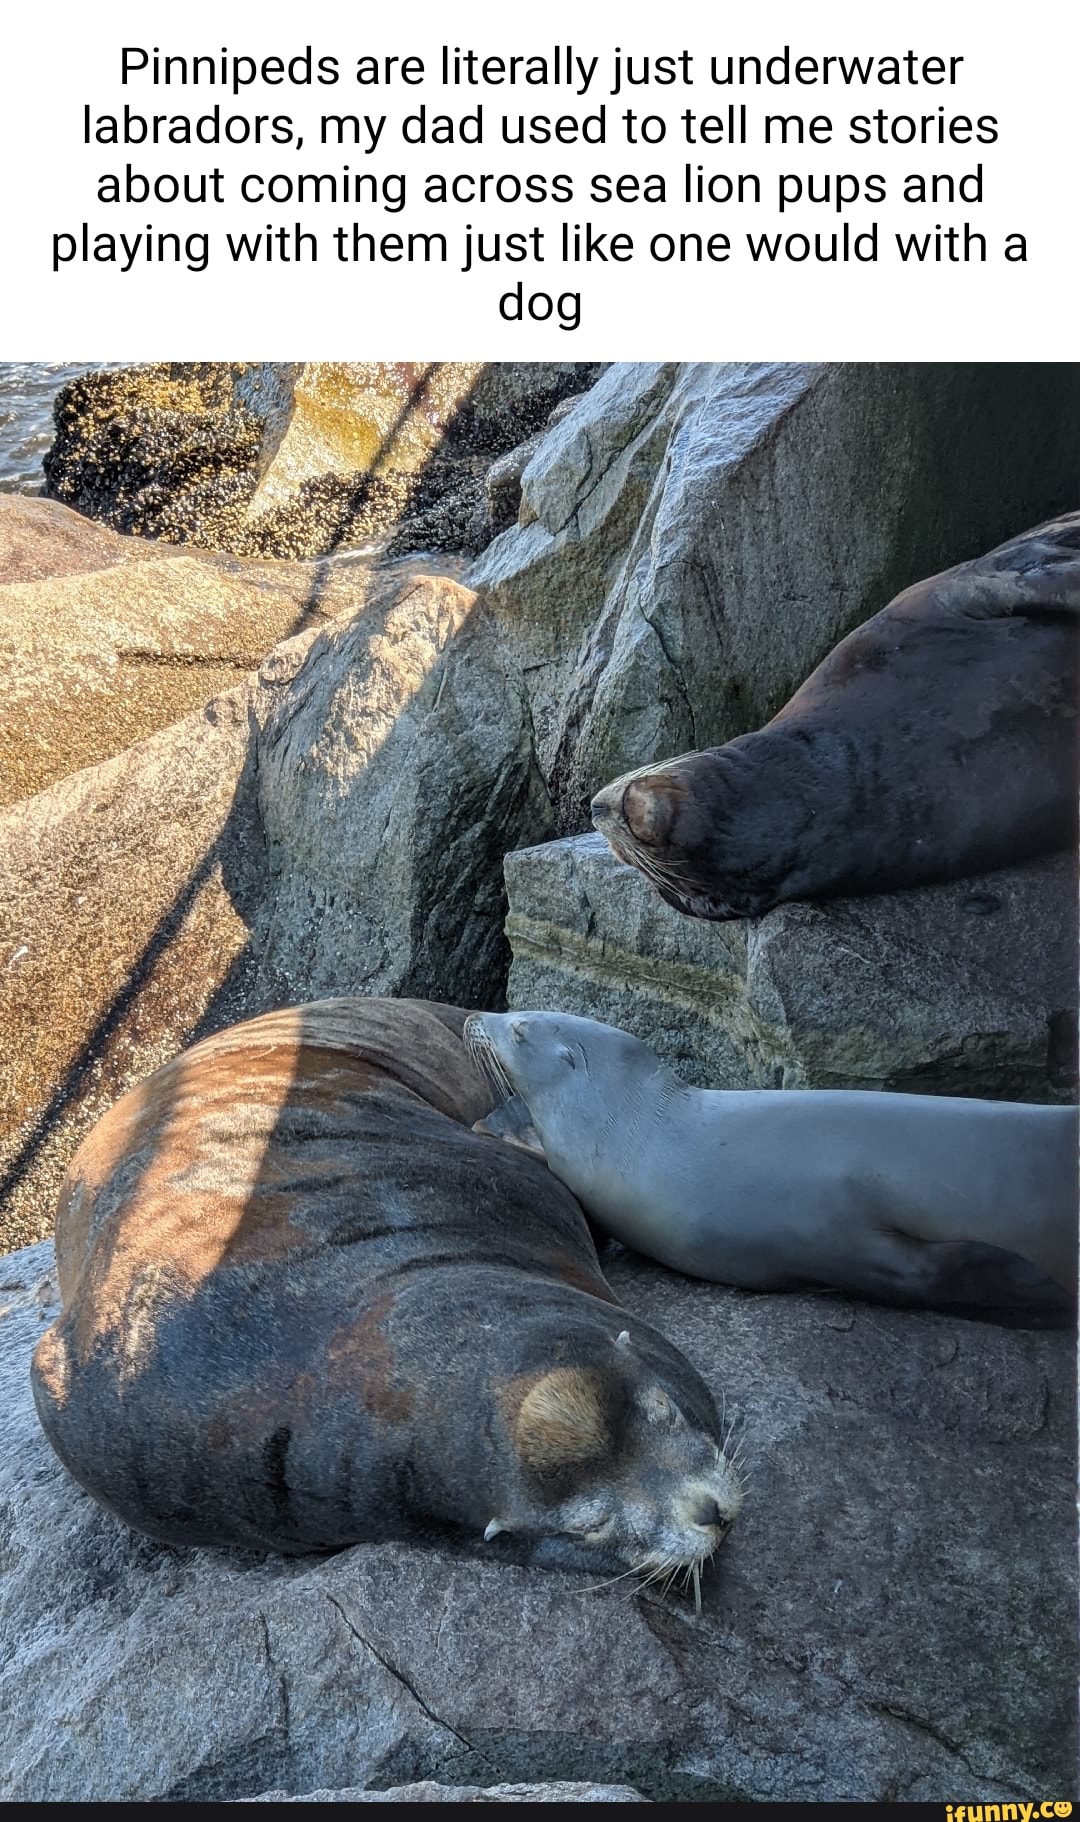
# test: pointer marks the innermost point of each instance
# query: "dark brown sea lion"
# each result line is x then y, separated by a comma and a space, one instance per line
305, 1305
936, 741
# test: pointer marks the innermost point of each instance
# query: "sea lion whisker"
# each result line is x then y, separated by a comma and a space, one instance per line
661, 873
736, 1463
692, 1579
657, 1576
738, 1458
656, 1571
671, 877
598, 1587
483, 1053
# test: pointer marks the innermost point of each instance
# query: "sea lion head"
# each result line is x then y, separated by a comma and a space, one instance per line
620, 1462
565, 1072
718, 834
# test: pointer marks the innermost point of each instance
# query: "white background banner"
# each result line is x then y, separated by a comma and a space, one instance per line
838, 181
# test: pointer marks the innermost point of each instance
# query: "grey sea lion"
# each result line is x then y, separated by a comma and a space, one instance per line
938, 740
305, 1305
914, 1199
511, 1122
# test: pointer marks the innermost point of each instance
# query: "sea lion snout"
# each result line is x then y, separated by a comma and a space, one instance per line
607, 804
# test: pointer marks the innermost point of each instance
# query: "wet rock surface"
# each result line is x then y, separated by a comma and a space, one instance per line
891, 1618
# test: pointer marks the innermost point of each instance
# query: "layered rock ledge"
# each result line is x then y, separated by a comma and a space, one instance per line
967, 988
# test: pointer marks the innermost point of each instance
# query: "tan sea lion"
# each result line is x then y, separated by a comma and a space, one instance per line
936, 741
305, 1305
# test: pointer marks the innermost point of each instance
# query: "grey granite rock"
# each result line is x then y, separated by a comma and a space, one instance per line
967, 988
892, 1618
393, 775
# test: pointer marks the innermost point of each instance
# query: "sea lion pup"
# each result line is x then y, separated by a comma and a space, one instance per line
305, 1305
913, 1199
937, 740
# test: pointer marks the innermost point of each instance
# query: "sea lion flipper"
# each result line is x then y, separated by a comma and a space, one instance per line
512, 1123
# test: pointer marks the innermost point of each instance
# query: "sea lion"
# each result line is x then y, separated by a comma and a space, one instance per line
305, 1305
937, 740
913, 1199
511, 1122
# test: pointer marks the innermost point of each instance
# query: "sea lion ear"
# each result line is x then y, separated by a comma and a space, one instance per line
561, 1421
648, 810
622, 1341
496, 1526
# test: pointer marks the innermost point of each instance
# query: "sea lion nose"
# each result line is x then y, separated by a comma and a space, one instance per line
605, 805
708, 1515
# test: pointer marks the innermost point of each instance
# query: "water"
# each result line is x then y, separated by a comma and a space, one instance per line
27, 391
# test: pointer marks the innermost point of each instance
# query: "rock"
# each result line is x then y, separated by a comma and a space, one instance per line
336, 824
40, 541
968, 988
468, 1793
369, 417
392, 779
297, 459
162, 450
125, 892
104, 639
502, 489
694, 538
891, 1619
501, 502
